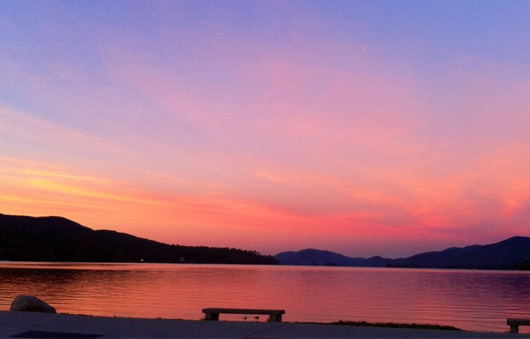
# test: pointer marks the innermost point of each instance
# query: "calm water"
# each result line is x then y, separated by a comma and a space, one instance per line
473, 300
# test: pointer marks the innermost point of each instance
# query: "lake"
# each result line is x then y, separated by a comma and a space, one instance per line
468, 299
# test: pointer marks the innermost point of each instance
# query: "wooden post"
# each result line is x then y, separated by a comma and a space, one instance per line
211, 316
275, 318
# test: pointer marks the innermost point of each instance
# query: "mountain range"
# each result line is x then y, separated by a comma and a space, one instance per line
512, 253
25, 238
316, 257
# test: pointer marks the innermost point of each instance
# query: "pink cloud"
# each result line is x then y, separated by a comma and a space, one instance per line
293, 146
29, 127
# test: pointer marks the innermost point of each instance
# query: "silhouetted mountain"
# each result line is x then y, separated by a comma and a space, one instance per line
524, 265
326, 258
505, 254
60, 239
512, 253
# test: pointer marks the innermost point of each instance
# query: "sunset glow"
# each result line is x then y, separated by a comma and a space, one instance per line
365, 127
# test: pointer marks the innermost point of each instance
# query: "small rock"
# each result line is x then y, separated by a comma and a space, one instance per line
29, 303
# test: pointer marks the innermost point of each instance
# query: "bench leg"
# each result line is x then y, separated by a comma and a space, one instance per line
211, 316
275, 318
514, 328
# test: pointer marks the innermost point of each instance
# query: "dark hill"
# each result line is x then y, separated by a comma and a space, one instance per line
512, 253
326, 258
505, 254
60, 239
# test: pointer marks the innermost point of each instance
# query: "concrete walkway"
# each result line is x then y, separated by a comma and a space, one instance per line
39, 325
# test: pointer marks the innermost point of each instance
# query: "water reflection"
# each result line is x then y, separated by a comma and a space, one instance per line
475, 300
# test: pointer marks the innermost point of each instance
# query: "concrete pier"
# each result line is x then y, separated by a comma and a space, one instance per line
41, 325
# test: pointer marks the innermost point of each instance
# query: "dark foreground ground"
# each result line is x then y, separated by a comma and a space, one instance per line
40, 325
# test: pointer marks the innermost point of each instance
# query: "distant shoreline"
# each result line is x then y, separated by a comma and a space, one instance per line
116, 263
57, 239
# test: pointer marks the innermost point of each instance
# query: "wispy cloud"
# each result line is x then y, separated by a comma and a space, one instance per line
276, 130
41, 132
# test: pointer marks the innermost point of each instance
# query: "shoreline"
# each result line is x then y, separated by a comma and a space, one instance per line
34, 325
360, 323
59, 264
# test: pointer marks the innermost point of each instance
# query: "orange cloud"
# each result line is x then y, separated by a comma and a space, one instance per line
292, 147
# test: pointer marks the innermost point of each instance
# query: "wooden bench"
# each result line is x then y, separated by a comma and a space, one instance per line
515, 323
213, 313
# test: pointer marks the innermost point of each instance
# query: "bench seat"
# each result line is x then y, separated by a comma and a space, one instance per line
515, 323
213, 313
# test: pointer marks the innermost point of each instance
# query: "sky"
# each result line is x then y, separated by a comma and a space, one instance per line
361, 127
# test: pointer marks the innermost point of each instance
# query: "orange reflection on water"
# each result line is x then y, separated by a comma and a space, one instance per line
474, 300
